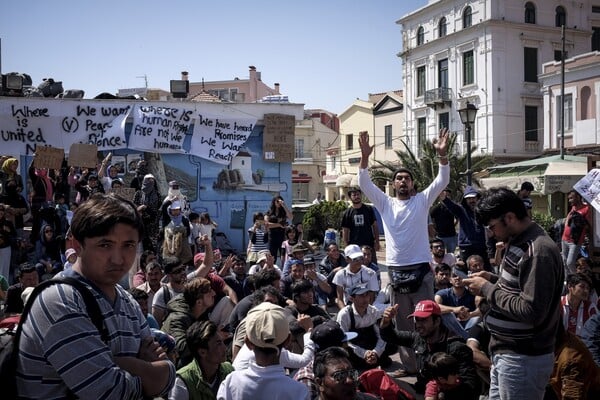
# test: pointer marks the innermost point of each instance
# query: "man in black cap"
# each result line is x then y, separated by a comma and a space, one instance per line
359, 224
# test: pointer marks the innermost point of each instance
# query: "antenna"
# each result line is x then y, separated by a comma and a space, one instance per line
145, 80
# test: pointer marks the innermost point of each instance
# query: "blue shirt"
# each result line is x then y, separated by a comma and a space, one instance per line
451, 299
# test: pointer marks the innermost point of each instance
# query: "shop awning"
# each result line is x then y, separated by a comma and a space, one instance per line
547, 174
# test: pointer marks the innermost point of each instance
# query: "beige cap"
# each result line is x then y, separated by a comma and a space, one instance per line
267, 326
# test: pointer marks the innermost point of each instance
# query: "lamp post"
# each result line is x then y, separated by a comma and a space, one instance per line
467, 117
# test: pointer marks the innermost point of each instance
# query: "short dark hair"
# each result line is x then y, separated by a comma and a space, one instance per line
301, 286
442, 364
99, 214
194, 289
138, 294
170, 263
198, 335
442, 267
26, 268
527, 186
325, 357
266, 277
575, 279
259, 296
436, 240
496, 202
193, 216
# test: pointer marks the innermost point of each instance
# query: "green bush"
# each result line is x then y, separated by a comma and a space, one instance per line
544, 220
321, 217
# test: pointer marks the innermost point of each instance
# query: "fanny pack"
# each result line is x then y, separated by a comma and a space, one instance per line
409, 280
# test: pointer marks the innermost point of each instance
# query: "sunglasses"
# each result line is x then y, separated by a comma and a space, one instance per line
342, 376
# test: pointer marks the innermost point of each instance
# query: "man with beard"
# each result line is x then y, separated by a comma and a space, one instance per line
431, 336
406, 214
439, 255
359, 225
154, 275
524, 299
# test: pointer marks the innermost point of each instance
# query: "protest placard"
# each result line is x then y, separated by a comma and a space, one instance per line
278, 138
48, 157
83, 155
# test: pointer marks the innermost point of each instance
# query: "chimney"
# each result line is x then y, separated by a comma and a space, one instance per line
184, 75
276, 88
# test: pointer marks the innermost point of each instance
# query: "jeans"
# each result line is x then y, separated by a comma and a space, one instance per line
450, 242
570, 252
517, 376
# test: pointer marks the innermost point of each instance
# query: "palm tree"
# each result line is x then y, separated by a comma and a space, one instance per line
425, 168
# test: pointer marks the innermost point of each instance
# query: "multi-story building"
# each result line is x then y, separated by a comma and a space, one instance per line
488, 53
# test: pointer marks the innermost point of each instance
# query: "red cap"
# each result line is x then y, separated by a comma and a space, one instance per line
426, 308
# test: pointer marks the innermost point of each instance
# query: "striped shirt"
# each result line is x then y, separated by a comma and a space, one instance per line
525, 301
61, 349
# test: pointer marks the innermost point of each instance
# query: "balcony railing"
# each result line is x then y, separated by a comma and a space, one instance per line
438, 97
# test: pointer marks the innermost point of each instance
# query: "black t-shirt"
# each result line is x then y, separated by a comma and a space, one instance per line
360, 223
443, 220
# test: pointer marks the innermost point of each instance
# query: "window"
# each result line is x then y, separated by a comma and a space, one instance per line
586, 109
388, 136
568, 113
421, 132
531, 124
530, 64
299, 148
468, 68
467, 17
349, 142
443, 73
529, 13
561, 17
420, 81
595, 38
420, 36
442, 27
444, 120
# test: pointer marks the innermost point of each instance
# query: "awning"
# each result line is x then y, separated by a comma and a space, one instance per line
301, 179
548, 174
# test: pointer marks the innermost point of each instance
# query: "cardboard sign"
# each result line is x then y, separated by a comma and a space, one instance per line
124, 192
48, 157
278, 138
83, 155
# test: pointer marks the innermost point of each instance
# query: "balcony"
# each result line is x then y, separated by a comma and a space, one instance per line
438, 97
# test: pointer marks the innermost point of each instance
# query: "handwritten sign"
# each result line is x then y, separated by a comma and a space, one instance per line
589, 188
124, 192
48, 157
83, 155
28, 123
278, 138
160, 129
219, 139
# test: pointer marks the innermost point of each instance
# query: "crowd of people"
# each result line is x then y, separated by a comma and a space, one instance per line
498, 309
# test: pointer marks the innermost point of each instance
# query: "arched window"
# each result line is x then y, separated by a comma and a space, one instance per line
467, 17
561, 16
529, 13
420, 36
586, 93
442, 27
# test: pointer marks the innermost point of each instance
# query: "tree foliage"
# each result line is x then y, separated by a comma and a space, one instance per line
321, 217
424, 168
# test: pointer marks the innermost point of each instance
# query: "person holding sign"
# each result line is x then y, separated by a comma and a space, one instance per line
107, 172
277, 219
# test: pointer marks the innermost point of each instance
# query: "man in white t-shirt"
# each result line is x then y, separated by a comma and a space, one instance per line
353, 274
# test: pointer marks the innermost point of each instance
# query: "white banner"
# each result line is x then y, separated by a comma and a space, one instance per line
27, 123
160, 129
219, 138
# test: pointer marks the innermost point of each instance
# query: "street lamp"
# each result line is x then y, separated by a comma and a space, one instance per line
467, 117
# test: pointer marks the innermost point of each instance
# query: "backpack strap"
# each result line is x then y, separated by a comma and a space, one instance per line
91, 304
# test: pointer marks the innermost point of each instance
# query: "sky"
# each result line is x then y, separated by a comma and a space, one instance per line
323, 53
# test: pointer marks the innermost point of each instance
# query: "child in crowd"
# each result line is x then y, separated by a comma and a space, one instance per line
207, 225
259, 237
194, 232
71, 257
446, 383
291, 236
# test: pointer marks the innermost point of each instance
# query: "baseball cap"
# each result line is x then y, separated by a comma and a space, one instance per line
173, 183
70, 252
330, 334
354, 189
262, 256
353, 252
308, 260
358, 289
267, 326
426, 308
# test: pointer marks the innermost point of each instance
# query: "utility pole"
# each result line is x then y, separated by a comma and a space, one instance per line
145, 80
562, 95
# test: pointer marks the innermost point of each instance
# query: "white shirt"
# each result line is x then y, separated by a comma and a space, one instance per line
347, 279
259, 383
287, 359
408, 242
370, 318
